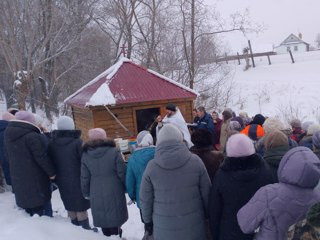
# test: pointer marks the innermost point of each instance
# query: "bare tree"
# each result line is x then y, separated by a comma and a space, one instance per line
148, 18
262, 96
116, 19
80, 65
290, 110
33, 33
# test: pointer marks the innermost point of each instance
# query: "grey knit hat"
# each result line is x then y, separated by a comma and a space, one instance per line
169, 132
65, 123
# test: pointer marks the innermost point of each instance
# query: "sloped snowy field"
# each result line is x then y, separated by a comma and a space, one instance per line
283, 88
15, 224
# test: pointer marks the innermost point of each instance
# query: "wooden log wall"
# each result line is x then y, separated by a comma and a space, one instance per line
83, 120
127, 116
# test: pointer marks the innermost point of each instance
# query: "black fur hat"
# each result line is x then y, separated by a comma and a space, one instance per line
171, 107
201, 138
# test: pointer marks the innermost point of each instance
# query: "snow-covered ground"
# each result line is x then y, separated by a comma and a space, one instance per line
15, 224
282, 89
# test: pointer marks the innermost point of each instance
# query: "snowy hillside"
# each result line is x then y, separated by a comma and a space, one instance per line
15, 224
282, 89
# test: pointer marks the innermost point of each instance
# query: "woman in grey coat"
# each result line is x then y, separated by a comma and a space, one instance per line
175, 190
103, 175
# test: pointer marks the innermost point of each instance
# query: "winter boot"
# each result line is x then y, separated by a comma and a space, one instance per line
75, 222
85, 225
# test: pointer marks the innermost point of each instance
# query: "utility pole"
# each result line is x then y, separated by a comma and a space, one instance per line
251, 53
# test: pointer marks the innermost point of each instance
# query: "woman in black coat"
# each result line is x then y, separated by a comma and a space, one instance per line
30, 166
240, 176
65, 149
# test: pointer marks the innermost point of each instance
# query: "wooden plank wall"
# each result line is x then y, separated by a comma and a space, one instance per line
100, 117
103, 119
83, 120
188, 111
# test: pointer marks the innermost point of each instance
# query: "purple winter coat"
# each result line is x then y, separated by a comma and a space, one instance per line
276, 207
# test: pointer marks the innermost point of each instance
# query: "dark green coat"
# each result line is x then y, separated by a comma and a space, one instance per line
273, 158
103, 176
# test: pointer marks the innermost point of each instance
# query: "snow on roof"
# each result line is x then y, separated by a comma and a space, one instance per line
292, 39
102, 96
109, 73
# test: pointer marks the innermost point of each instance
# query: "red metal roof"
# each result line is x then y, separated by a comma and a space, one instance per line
130, 83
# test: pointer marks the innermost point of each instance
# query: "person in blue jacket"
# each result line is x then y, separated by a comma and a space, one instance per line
205, 121
137, 163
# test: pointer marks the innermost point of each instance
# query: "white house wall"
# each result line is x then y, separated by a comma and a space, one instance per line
283, 48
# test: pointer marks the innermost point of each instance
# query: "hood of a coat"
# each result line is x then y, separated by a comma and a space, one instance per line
17, 129
172, 155
98, 148
300, 167
65, 136
94, 144
243, 168
273, 156
201, 150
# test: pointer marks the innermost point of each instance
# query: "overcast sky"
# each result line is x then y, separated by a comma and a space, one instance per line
281, 17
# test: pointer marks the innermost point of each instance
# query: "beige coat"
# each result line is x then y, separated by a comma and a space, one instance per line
224, 135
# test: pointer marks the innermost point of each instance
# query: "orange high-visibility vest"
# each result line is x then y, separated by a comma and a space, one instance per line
253, 131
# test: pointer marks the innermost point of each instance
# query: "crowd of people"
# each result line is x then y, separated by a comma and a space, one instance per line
235, 178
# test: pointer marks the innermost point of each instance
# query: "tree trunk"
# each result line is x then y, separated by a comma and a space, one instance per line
193, 50
49, 66
22, 92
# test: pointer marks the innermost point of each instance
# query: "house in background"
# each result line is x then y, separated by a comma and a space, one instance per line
293, 43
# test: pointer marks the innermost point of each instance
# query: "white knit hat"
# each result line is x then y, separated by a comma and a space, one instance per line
239, 145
